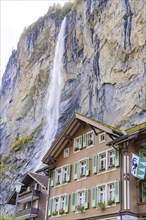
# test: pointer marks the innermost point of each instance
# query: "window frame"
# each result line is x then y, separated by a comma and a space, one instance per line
77, 169
66, 153
100, 137
92, 139
77, 148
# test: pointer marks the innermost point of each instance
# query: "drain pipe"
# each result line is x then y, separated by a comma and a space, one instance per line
47, 199
121, 185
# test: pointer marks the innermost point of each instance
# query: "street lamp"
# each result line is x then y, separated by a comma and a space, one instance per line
18, 186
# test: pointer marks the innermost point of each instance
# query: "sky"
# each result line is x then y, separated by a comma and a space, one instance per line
15, 16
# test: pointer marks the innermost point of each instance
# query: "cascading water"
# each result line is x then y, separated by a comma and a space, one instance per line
55, 88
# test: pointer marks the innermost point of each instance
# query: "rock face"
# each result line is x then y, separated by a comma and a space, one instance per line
104, 76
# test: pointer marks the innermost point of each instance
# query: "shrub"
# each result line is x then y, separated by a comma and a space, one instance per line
80, 208
21, 141
101, 205
110, 202
74, 6
61, 211
54, 213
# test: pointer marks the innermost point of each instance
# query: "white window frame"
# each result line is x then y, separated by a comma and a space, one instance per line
78, 147
81, 197
61, 175
106, 193
58, 176
56, 204
64, 174
101, 193
102, 161
92, 139
111, 157
111, 191
66, 152
82, 167
59, 197
103, 134
62, 202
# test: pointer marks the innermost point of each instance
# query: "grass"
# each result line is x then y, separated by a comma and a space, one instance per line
21, 141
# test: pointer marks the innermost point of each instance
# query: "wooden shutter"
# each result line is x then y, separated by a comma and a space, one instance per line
68, 173
141, 153
117, 158
76, 171
84, 140
87, 167
52, 177
93, 197
66, 203
86, 199
95, 163
50, 206
74, 198
117, 191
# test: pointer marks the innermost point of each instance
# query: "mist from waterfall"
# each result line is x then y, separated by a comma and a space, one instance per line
55, 87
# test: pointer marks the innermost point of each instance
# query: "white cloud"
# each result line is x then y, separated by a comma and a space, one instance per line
15, 15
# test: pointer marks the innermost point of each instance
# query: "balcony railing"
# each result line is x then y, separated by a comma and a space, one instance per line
27, 213
28, 196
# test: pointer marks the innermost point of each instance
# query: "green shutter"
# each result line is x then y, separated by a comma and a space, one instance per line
68, 173
93, 197
117, 191
74, 198
141, 153
80, 147
84, 140
50, 206
87, 167
117, 158
76, 171
66, 203
86, 199
52, 177
95, 164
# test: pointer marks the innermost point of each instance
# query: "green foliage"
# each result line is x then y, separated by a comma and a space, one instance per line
80, 208
74, 6
110, 202
21, 141
9, 217
101, 205
59, 12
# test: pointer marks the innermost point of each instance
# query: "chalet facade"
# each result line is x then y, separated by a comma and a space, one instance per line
90, 173
32, 198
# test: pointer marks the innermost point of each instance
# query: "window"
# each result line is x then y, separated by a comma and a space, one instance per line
81, 168
143, 188
60, 175
66, 152
102, 161
107, 194
111, 159
64, 174
101, 194
111, 192
90, 138
105, 160
80, 198
101, 137
58, 205
78, 143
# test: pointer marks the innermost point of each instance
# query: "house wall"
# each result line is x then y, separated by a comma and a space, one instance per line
87, 182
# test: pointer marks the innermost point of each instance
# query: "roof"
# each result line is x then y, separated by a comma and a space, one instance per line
138, 130
40, 179
69, 130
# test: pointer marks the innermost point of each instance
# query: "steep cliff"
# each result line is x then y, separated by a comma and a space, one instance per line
104, 73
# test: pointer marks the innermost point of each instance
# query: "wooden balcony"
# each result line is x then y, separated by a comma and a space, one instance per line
142, 208
27, 213
28, 196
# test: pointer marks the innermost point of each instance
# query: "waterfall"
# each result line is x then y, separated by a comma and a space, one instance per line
55, 87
